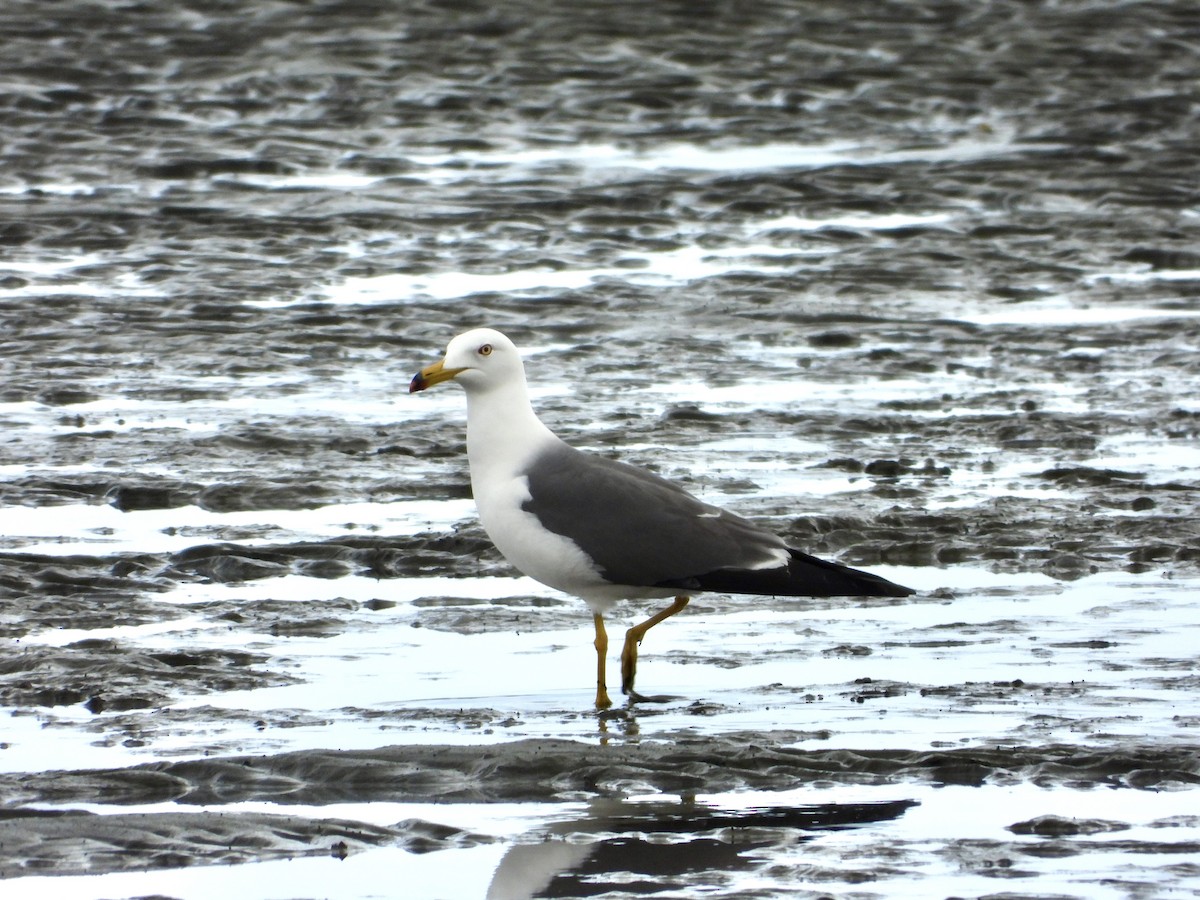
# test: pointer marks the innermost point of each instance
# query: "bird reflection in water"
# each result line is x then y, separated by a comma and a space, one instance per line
652, 847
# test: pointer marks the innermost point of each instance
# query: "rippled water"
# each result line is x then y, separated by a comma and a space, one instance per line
915, 283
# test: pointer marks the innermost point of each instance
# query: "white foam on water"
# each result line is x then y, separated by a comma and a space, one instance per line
676, 266
1066, 314
598, 157
104, 529
1145, 276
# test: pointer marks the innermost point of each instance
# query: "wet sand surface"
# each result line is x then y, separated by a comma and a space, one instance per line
916, 284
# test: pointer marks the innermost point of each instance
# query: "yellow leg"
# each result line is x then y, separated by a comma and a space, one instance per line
633, 638
601, 644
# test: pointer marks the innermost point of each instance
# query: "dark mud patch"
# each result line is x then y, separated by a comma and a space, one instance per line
108, 675
76, 843
1064, 537
555, 770
107, 580
28, 611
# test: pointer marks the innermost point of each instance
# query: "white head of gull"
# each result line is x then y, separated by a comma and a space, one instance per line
603, 530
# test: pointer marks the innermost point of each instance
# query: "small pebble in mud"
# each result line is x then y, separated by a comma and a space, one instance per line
833, 339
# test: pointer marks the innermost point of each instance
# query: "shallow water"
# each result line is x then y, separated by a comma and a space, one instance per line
916, 285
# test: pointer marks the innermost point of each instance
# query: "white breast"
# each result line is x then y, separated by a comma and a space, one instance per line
504, 438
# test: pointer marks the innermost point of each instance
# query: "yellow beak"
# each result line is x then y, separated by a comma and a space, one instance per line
431, 375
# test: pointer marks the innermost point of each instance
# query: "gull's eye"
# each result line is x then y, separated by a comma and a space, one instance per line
485, 350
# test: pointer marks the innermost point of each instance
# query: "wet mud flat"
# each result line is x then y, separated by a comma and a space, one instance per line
545, 771
917, 286
1013, 730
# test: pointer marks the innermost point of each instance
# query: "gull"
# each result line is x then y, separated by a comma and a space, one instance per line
603, 530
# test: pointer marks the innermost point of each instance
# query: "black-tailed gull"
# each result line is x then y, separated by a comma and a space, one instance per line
603, 530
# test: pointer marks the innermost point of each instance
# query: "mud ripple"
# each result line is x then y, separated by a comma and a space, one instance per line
555, 770
75, 843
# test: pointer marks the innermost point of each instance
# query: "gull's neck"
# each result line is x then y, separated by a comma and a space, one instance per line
503, 431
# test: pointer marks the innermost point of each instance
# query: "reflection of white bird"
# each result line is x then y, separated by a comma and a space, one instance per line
605, 531
526, 870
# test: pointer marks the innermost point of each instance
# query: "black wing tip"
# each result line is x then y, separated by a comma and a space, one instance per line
891, 589
803, 576
842, 580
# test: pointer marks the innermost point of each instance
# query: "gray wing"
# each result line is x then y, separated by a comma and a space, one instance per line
640, 529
